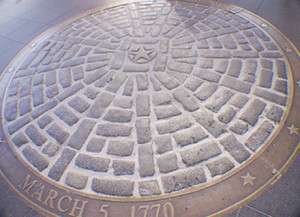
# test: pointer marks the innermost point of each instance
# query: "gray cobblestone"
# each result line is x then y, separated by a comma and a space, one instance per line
207, 75
239, 100
66, 115
123, 167
79, 104
95, 66
203, 44
253, 111
146, 161
97, 164
215, 43
227, 115
18, 124
132, 68
115, 84
281, 69
236, 84
275, 113
64, 77
166, 111
272, 97
259, 136
228, 42
168, 81
207, 120
265, 79
19, 139
193, 83
149, 188
161, 99
11, 110
216, 54
271, 54
76, 180
256, 44
58, 133
173, 125
120, 148
128, 87
142, 82
221, 65
44, 121
95, 145
183, 179
120, 187
239, 127
267, 64
124, 103
81, 134
281, 86
118, 115
206, 90
113, 130
91, 92
235, 68
167, 163
70, 91
94, 76
24, 106
143, 130
218, 99
186, 100
161, 63
50, 149
37, 160
220, 166
73, 62
245, 54
50, 78
78, 73
13, 88
180, 67
25, 87
52, 91
199, 152
35, 135
163, 143
142, 105
37, 96
235, 148
189, 136
100, 104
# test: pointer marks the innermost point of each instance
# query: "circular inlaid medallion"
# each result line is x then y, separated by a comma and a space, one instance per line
148, 101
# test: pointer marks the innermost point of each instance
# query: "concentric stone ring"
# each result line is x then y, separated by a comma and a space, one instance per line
147, 100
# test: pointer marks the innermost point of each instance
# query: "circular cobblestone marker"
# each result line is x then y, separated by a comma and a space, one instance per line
146, 102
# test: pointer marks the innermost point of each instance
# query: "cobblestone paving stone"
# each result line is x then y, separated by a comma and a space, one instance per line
147, 99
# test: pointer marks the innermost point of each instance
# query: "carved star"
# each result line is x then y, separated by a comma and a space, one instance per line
293, 130
298, 82
248, 179
264, 25
142, 53
288, 50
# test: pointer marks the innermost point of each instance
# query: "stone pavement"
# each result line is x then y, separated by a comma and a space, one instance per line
147, 100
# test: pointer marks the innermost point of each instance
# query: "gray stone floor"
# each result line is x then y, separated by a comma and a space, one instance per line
21, 21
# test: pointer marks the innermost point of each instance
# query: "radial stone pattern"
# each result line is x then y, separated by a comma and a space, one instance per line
143, 100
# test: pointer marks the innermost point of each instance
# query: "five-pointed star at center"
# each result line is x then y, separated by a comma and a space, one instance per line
248, 179
142, 53
293, 129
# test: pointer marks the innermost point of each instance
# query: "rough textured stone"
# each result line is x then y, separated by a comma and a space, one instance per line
120, 148
143, 130
61, 164
167, 163
236, 84
270, 96
79, 104
163, 143
266, 77
18, 124
281, 86
149, 188
173, 125
240, 127
70, 91
146, 161
120, 187
24, 106
207, 120
206, 90
57, 133
19, 139
253, 111
43, 108
168, 81
113, 130
142, 105
183, 179
186, 100
189, 136
36, 159
199, 152
100, 104
118, 115
166, 111
95, 145
35, 135
235, 148
218, 99
258, 137
97, 164
83, 130
66, 115
239, 100
50, 149
161, 99
275, 113
123, 167
220, 166
208, 75
76, 180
